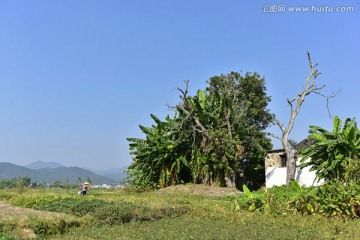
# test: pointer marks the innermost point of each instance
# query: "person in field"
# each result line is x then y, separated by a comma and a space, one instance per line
84, 188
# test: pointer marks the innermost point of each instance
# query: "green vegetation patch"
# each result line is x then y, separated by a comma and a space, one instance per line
244, 225
167, 214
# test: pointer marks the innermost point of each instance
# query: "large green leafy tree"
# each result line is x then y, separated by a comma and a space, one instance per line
216, 136
331, 152
226, 123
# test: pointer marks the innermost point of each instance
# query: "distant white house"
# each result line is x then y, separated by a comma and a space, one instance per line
107, 186
275, 170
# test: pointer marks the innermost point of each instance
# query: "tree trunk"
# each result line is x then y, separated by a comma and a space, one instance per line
290, 158
290, 165
230, 180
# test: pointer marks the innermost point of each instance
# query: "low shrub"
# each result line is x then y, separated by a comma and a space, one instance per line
352, 170
36, 202
5, 196
114, 213
74, 206
70, 205
5, 236
333, 199
122, 212
8, 230
304, 204
273, 199
336, 198
44, 228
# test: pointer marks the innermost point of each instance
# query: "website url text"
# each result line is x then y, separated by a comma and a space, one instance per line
279, 8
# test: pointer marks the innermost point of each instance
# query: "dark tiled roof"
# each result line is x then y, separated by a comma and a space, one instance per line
307, 142
280, 150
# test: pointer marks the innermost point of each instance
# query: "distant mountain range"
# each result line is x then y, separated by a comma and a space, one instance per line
40, 165
49, 172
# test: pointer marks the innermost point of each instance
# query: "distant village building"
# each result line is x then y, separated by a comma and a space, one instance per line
107, 186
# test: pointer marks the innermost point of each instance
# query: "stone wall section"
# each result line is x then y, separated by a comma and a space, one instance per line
273, 160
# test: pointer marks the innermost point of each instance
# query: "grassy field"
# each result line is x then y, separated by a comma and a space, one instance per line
191, 212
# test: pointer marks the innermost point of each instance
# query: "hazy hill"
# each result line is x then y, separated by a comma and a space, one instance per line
117, 174
49, 175
40, 164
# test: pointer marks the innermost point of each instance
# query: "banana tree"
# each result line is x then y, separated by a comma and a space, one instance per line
158, 159
331, 151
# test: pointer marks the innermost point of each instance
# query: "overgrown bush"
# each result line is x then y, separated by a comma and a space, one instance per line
6, 195
122, 212
275, 199
74, 206
115, 213
336, 198
5, 236
6, 231
70, 205
262, 199
304, 203
44, 228
333, 199
352, 170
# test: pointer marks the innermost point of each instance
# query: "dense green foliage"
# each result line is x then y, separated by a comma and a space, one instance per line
18, 182
333, 199
332, 152
215, 137
352, 170
339, 199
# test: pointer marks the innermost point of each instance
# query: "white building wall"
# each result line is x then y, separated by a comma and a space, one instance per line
276, 176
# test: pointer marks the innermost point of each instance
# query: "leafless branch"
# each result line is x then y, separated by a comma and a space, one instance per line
281, 126
327, 99
172, 108
187, 107
290, 104
274, 136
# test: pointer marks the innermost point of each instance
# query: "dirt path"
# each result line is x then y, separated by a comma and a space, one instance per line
22, 215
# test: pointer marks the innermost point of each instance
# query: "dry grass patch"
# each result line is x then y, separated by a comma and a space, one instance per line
24, 215
198, 189
26, 223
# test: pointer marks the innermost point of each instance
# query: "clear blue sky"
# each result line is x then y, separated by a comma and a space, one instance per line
78, 77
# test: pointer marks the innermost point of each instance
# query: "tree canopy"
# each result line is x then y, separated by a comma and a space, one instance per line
215, 137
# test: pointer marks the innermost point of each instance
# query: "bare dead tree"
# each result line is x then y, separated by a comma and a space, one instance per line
295, 106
